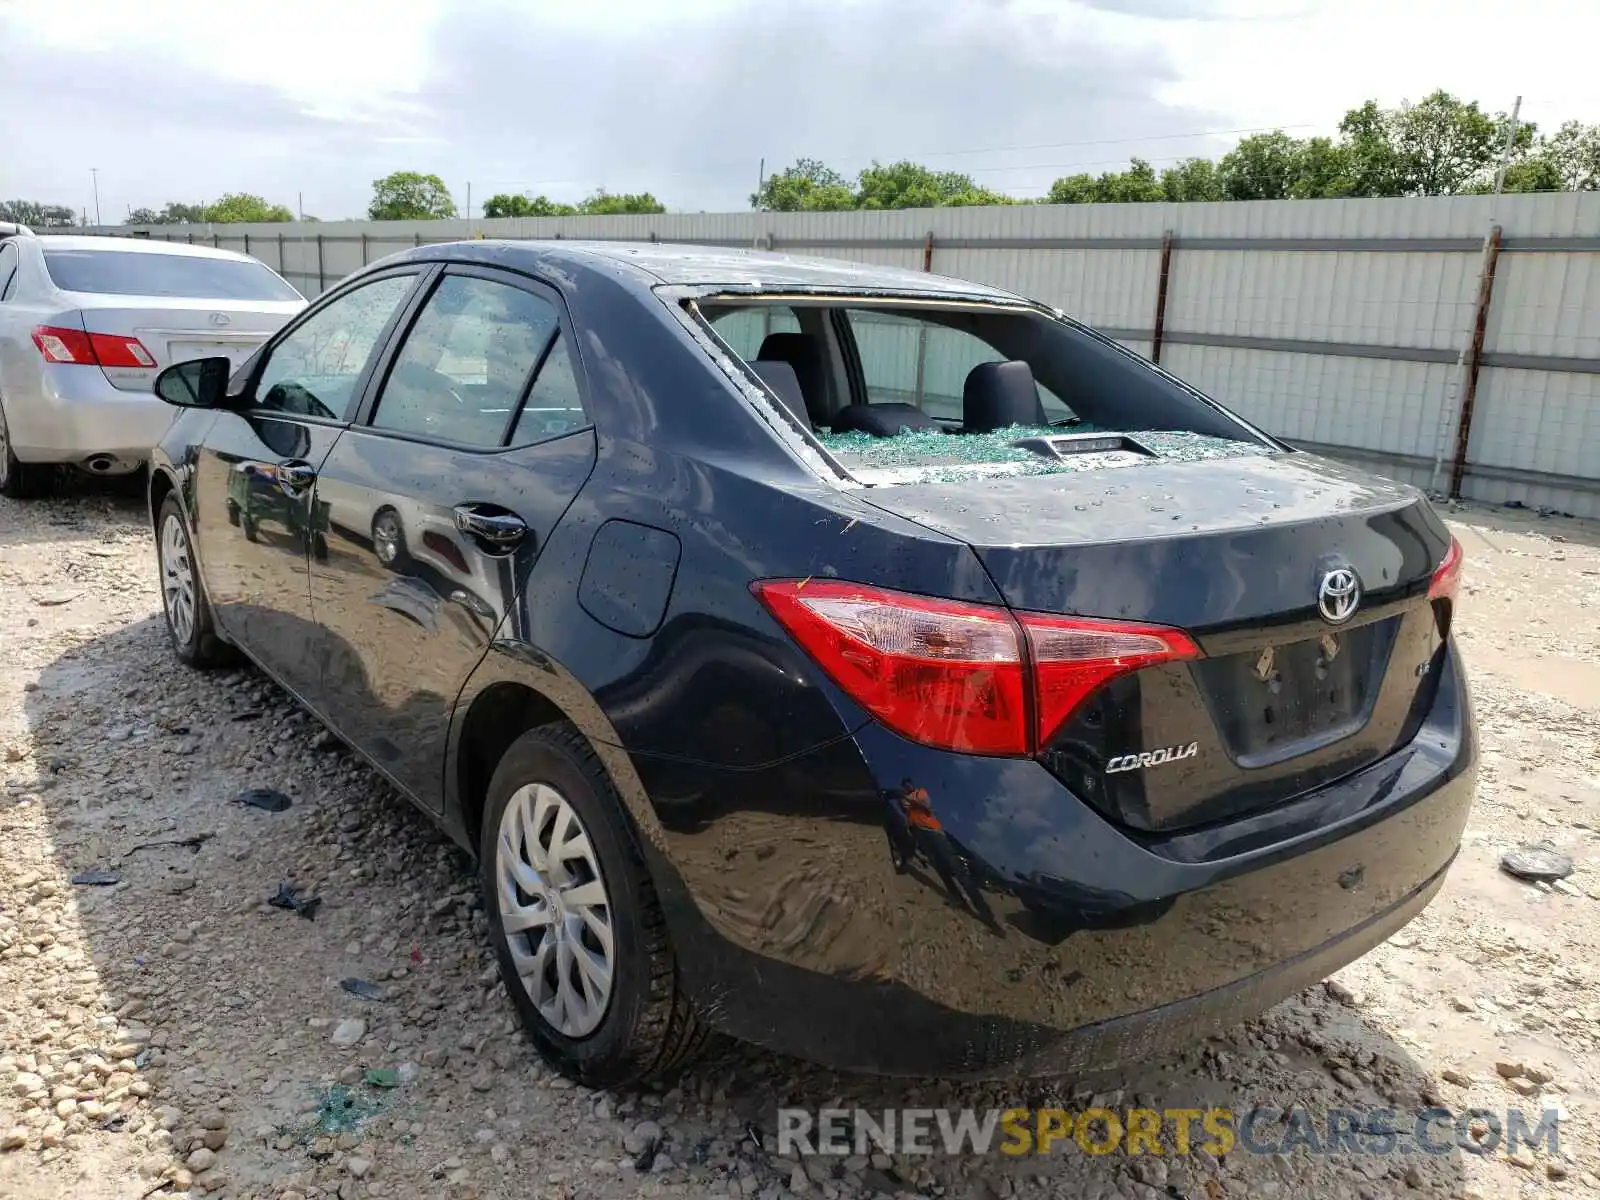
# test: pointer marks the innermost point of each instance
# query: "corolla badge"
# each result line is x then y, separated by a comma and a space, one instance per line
1338, 595
1151, 758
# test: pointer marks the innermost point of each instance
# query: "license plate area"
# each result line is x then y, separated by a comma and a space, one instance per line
1286, 699
234, 352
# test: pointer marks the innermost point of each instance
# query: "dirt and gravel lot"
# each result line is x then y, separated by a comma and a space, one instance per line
171, 1033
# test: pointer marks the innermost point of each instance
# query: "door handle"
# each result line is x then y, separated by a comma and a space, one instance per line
496, 531
295, 476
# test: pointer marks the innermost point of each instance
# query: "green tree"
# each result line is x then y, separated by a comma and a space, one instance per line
978, 196
1072, 189
242, 206
172, 213
509, 204
1137, 185
410, 196
605, 204
1574, 149
808, 186
1323, 172
35, 215
910, 185
1192, 179
1443, 145
1373, 165
1264, 166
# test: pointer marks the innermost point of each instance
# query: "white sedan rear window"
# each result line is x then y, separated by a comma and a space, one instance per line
124, 273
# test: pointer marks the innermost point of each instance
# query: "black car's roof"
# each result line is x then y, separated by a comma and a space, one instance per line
650, 264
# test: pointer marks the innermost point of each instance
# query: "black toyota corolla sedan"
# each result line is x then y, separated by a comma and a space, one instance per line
880, 667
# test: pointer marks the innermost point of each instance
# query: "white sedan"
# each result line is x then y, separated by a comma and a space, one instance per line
85, 325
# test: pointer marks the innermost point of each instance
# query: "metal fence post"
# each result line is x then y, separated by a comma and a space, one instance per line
363, 249
247, 243
322, 282
1159, 328
1469, 393
927, 252
280, 254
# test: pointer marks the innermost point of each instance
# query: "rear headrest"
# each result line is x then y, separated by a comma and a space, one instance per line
803, 352
780, 377
882, 420
998, 394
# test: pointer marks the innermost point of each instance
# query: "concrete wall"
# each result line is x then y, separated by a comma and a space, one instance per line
1334, 323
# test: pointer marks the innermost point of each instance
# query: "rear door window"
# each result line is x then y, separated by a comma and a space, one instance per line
554, 405
906, 360
147, 273
464, 364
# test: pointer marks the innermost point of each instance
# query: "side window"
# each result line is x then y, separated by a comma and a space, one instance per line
907, 361
553, 406
8, 269
744, 329
313, 371
462, 367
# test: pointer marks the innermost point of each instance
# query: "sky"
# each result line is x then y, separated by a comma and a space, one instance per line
306, 103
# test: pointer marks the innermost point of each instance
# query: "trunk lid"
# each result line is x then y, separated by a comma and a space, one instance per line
1233, 550
178, 329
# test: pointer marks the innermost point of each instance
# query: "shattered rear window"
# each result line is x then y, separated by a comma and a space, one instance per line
932, 456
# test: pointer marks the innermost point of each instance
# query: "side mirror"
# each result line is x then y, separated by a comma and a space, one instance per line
198, 383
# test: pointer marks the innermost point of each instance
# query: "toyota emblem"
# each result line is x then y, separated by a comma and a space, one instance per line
1338, 595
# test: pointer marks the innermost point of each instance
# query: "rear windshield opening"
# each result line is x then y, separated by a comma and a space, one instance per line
176, 276
903, 390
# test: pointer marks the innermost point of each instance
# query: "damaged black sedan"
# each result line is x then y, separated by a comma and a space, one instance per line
876, 666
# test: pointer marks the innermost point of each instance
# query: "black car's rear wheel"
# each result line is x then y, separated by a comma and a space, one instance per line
575, 920
20, 480
183, 597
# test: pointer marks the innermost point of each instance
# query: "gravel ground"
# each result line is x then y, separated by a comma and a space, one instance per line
171, 1034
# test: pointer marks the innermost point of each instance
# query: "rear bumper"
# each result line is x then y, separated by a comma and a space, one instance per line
1028, 934
74, 413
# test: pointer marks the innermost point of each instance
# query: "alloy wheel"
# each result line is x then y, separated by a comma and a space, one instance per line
386, 539
554, 909
177, 579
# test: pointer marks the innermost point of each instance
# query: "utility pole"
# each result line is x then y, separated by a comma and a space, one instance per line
94, 173
761, 182
1465, 363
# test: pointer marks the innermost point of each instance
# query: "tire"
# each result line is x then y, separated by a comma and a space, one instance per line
389, 540
233, 514
251, 529
20, 480
646, 1026
194, 636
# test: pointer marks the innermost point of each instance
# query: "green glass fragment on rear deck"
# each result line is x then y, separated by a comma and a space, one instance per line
933, 456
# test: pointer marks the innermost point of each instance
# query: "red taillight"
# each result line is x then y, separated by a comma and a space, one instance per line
61, 345
114, 350
1447, 574
937, 671
1074, 656
951, 674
